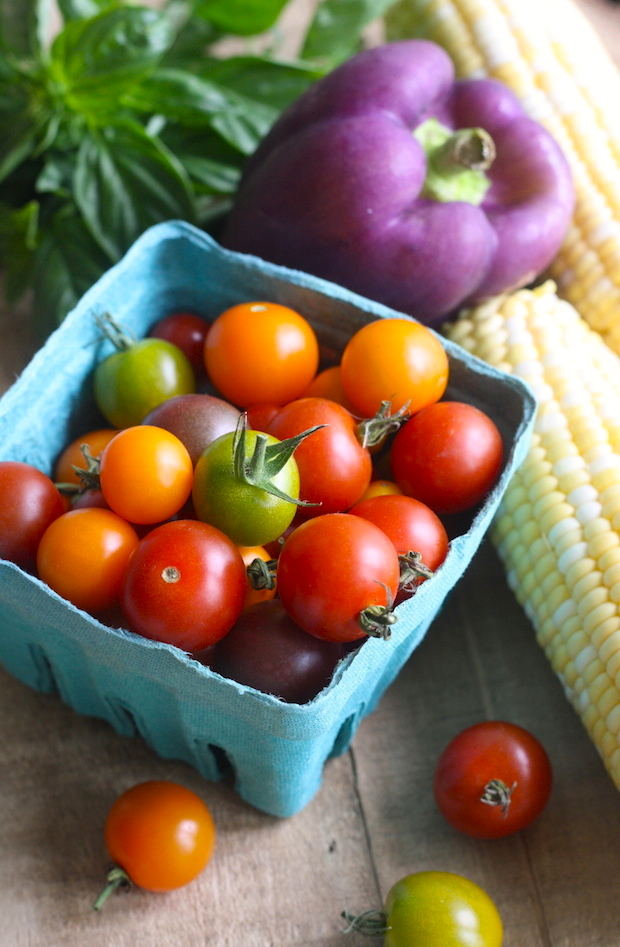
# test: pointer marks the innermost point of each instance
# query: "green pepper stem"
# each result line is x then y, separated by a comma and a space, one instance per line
456, 162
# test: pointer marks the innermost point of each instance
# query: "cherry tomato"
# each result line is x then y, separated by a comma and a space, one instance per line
260, 416
73, 455
493, 779
266, 650
377, 488
260, 352
146, 474
247, 513
185, 585
253, 596
29, 502
160, 834
448, 456
328, 384
395, 360
411, 526
82, 556
440, 909
196, 419
188, 332
331, 569
334, 468
139, 376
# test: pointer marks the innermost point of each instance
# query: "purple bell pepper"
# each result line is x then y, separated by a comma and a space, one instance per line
362, 181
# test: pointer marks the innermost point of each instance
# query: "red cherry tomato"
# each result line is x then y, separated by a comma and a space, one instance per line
260, 416
29, 502
448, 456
410, 525
261, 352
185, 585
188, 332
160, 834
395, 360
82, 556
334, 468
331, 569
493, 779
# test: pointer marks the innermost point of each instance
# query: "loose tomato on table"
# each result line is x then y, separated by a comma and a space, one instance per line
448, 456
338, 576
146, 474
160, 835
185, 585
397, 361
334, 468
29, 502
82, 556
433, 909
493, 779
261, 352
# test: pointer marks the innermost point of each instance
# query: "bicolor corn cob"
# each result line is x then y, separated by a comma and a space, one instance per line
549, 54
558, 527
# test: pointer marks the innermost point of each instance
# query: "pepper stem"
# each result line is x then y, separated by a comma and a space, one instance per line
117, 879
455, 162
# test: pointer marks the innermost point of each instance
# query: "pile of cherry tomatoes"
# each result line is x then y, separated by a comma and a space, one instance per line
248, 505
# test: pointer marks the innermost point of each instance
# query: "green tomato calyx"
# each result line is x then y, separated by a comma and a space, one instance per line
261, 574
497, 793
89, 475
373, 923
120, 336
267, 460
377, 620
373, 431
411, 569
455, 162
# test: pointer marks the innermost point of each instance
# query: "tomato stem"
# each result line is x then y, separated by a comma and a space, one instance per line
372, 923
120, 336
373, 431
117, 879
89, 475
267, 459
376, 620
262, 575
497, 793
411, 569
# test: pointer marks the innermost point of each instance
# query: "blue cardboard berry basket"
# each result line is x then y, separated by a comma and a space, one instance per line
183, 710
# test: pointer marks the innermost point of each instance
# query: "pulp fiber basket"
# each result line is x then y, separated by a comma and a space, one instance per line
182, 709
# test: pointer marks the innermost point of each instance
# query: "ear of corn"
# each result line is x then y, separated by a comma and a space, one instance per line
550, 56
558, 527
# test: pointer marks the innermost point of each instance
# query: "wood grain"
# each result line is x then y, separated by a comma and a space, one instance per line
283, 883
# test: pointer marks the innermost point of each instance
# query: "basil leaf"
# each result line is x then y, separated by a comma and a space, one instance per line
66, 265
125, 181
243, 17
84, 9
23, 24
193, 101
93, 62
334, 33
265, 80
18, 242
213, 166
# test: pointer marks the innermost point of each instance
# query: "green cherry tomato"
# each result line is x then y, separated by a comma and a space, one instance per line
432, 908
133, 381
224, 496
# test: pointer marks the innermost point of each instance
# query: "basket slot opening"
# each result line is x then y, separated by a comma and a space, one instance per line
346, 733
46, 681
123, 718
221, 759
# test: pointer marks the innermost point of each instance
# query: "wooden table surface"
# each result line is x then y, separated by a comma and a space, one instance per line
283, 883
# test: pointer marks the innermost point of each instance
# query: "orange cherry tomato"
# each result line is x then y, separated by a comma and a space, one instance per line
380, 488
328, 384
72, 455
261, 352
252, 595
160, 834
82, 556
146, 474
396, 360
